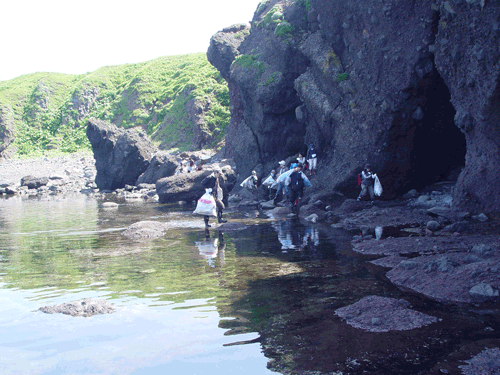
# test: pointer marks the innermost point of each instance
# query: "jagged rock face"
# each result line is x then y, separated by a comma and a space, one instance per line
468, 58
162, 165
82, 102
369, 81
6, 129
187, 186
121, 155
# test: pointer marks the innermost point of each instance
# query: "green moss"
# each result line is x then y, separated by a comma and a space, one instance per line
250, 62
342, 77
284, 29
273, 77
273, 17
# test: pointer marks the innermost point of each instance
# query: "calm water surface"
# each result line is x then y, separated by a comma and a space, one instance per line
253, 301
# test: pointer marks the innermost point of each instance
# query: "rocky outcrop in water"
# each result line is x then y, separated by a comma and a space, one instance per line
121, 156
411, 87
187, 186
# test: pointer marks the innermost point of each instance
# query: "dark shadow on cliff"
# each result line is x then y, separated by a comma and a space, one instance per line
427, 145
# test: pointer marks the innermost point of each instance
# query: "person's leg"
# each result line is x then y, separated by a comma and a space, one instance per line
372, 193
206, 221
362, 193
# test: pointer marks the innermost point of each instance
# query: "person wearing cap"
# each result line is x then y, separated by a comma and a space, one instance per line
281, 185
312, 159
215, 181
367, 182
251, 181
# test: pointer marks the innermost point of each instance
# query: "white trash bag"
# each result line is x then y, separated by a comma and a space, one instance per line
377, 188
206, 205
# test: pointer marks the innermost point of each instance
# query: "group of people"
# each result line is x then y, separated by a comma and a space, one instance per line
283, 181
188, 165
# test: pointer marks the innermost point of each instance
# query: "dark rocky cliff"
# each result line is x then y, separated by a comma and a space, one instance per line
409, 86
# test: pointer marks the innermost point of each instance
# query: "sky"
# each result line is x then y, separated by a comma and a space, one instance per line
75, 37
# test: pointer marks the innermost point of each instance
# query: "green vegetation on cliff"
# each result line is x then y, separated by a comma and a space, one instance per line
51, 110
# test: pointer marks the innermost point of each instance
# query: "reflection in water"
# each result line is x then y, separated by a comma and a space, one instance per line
188, 301
209, 248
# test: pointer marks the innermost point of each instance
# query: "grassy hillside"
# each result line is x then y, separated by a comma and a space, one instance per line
50, 110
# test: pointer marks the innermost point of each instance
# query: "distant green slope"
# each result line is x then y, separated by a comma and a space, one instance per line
50, 110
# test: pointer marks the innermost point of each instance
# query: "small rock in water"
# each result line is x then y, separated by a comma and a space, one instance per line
110, 205
86, 307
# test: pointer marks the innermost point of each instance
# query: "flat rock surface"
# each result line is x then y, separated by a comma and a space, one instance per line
86, 307
381, 314
485, 363
145, 230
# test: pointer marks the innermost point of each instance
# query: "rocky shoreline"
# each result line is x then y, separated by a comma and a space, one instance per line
449, 256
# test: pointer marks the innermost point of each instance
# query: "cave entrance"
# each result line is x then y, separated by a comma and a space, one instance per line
438, 144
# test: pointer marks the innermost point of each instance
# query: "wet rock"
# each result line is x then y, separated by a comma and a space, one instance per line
483, 250
313, 218
485, 363
34, 182
86, 307
483, 291
232, 226
433, 225
423, 198
481, 217
110, 205
269, 205
145, 230
382, 314
460, 227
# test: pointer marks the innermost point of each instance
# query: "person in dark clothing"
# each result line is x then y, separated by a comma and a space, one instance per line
296, 185
367, 182
216, 182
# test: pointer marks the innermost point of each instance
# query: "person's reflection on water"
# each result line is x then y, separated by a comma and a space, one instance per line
293, 236
211, 248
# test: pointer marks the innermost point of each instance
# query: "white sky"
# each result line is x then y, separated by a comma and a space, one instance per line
79, 36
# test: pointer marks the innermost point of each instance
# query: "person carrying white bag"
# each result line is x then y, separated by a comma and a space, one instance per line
368, 182
211, 203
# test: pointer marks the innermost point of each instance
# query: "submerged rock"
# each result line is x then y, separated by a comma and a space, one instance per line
86, 307
382, 314
145, 230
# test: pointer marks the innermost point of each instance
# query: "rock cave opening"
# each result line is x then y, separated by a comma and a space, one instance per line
439, 146
428, 139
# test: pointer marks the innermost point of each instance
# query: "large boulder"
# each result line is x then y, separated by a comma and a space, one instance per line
121, 156
410, 87
187, 186
162, 165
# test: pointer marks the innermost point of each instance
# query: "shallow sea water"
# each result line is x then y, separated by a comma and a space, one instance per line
254, 301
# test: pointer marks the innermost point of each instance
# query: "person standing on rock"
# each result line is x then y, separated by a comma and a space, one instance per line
312, 159
367, 182
219, 191
281, 185
296, 186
